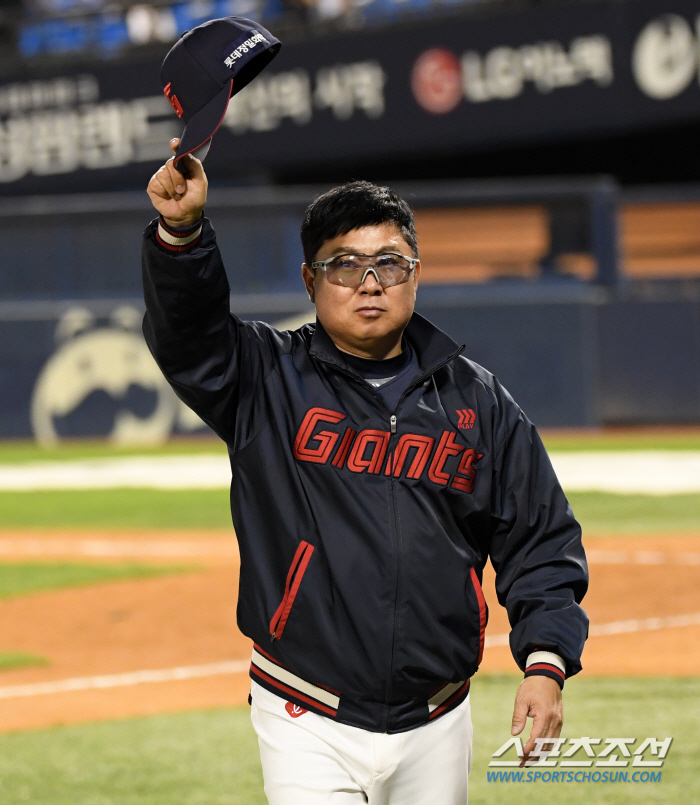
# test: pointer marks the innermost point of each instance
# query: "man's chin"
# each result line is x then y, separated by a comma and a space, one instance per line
374, 330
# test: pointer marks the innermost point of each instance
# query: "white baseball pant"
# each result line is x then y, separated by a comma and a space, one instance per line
309, 759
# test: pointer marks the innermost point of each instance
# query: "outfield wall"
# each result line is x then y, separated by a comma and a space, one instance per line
570, 357
586, 362
572, 352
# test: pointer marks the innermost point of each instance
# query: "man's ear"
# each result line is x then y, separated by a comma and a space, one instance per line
416, 275
307, 275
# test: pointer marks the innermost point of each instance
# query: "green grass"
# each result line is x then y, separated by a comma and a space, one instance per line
22, 578
211, 758
12, 660
208, 758
116, 508
204, 509
12, 452
577, 439
650, 439
632, 514
600, 708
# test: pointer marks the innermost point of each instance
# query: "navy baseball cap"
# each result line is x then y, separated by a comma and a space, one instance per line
207, 66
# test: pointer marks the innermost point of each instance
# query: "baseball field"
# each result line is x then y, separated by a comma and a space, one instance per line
123, 677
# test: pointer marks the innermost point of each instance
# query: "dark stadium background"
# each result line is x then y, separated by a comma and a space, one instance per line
572, 127
550, 152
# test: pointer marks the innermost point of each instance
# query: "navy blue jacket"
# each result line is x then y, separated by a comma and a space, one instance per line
364, 532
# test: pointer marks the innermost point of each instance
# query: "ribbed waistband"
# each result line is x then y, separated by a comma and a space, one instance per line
373, 716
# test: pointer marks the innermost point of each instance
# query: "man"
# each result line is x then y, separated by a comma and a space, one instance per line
374, 471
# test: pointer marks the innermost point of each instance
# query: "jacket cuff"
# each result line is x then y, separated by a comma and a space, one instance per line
178, 238
546, 663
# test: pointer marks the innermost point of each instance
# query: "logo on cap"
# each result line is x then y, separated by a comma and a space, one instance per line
172, 99
241, 48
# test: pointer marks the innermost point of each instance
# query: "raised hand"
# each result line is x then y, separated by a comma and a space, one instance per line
178, 199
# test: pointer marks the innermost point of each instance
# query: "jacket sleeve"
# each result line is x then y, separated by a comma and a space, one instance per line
536, 550
214, 362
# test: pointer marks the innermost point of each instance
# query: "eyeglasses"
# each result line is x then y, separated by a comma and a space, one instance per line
350, 270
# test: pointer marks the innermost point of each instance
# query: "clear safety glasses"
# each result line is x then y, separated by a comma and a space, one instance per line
350, 270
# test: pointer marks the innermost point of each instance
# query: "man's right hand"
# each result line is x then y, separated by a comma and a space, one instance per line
179, 200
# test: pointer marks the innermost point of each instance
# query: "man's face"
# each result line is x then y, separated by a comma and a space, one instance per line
367, 321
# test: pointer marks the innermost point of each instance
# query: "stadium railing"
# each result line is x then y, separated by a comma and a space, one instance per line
88, 246
576, 347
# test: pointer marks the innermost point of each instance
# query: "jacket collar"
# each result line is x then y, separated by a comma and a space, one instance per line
432, 346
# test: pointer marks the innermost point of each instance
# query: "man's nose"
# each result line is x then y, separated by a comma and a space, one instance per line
370, 282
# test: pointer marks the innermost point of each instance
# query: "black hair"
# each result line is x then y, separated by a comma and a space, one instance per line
351, 206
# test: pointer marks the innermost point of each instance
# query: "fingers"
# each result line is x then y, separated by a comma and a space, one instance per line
520, 712
154, 188
174, 145
158, 186
168, 182
189, 167
195, 168
547, 725
188, 192
539, 698
177, 180
538, 730
163, 181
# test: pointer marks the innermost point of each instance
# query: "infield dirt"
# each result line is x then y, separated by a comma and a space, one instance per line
189, 619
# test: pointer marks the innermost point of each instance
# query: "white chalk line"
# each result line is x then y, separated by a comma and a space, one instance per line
642, 557
126, 680
199, 471
241, 666
117, 548
620, 627
648, 472
641, 472
644, 625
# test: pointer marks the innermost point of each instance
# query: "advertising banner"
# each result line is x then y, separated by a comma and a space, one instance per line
506, 77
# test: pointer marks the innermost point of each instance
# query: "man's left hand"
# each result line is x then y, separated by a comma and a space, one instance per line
539, 698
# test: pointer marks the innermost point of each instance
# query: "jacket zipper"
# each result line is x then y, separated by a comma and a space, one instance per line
399, 556
426, 375
349, 373
393, 421
296, 573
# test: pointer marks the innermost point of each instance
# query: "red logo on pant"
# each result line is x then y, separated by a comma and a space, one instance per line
294, 710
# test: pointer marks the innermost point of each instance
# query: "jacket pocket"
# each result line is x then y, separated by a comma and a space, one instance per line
291, 588
483, 613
